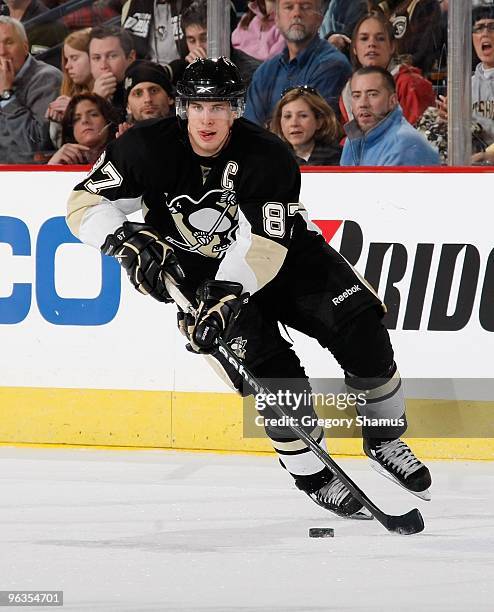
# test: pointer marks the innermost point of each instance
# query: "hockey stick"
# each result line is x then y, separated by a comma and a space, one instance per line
404, 524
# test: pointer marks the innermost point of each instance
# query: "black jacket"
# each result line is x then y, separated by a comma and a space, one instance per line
322, 155
139, 22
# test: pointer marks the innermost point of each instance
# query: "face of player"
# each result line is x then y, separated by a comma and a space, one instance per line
372, 46
483, 41
148, 101
209, 125
196, 37
13, 49
371, 100
298, 20
89, 124
77, 65
106, 55
299, 123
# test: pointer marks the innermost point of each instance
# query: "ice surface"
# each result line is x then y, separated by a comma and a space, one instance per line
175, 531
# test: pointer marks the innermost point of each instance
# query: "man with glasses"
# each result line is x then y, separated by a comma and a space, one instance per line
220, 198
306, 60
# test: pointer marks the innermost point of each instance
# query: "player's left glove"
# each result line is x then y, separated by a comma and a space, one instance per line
219, 305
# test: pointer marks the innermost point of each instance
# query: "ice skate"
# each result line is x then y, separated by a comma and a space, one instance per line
395, 460
331, 494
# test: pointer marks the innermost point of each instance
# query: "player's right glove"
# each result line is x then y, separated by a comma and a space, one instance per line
146, 257
219, 305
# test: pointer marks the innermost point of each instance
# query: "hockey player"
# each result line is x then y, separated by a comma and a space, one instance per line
220, 198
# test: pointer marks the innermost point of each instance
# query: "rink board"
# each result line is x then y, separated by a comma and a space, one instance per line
88, 361
192, 421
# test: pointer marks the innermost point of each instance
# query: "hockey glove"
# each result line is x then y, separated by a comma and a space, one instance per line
219, 305
145, 257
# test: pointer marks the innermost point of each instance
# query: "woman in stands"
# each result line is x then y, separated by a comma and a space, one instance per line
76, 72
306, 122
373, 44
256, 33
88, 124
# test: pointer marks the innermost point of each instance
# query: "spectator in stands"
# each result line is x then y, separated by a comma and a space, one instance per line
41, 36
148, 93
306, 60
155, 28
340, 20
257, 34
88, 125
194, 26
76, 71
195, 29
97, 13
483, 78
111, 51
27, 86
482, 82
306, 122
417, 29
379, 135
373, 45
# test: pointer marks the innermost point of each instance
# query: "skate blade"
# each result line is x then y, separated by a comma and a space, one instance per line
425, 495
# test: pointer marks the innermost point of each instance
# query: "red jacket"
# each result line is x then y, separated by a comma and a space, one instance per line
415, 94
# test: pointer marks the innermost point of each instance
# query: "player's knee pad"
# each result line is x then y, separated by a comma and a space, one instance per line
285, 377
363, 346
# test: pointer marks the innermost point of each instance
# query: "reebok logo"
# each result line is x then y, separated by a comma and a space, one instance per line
345, 294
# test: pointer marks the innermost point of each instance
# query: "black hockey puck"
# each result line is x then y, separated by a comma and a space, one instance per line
321, 532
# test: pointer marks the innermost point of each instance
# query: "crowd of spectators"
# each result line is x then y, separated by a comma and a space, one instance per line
341, 82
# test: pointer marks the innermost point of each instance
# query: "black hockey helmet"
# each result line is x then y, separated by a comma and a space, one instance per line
211, 79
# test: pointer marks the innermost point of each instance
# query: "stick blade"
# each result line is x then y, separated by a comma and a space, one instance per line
406, 524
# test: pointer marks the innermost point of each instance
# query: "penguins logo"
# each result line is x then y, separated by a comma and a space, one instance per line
207, 226
238, 346
399, 24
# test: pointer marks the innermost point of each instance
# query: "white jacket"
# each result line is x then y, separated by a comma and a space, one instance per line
483, 101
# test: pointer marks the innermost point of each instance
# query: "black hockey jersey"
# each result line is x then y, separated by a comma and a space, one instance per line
230, 217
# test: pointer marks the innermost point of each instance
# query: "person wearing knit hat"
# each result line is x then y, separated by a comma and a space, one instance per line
148, 91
